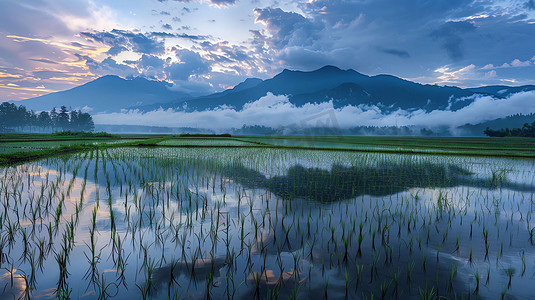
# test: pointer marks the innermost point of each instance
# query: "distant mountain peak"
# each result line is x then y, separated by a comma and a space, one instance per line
109, 77
252, 80
329, 68
326, 68
108, 93
248, 83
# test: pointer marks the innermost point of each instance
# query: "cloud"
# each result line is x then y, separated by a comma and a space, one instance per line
115, 50
428, 34
287, 28
43, 60
50, 74
222, 2
450, 36
305, 58
191, 36
277, 111
519, 63
108, 67
41, 18
135, 42
395, 52
218, 3
191, 63
530, 5
491, 74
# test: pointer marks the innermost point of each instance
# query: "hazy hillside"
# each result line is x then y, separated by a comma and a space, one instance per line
108, 93
516, 121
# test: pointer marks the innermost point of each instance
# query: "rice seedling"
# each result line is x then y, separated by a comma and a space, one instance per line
169, 222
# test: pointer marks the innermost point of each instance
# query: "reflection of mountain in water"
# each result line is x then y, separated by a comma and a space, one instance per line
347, 182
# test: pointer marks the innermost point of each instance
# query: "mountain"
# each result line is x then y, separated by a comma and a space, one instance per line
108, 94
344, 87
503, 91
182, 103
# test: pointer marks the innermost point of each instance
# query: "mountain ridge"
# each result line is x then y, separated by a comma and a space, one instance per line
344, 87
107, 94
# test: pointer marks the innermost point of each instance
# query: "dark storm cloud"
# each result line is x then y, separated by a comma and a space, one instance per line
167, 27
450, 35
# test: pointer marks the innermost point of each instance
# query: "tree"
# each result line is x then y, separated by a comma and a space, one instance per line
74, 124
85, 122
8, 113
528, 130
14, 118
44, 120
63, 118
54, 117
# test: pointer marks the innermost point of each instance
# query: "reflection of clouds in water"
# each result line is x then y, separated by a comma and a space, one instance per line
12, 286
209, 178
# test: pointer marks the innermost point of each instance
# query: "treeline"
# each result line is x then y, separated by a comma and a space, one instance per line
359, 130
528, 130
15, 118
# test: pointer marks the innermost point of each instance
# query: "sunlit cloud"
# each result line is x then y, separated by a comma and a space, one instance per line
7, 75
45, 41
40, 89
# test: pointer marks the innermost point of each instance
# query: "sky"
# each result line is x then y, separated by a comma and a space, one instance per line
203, 46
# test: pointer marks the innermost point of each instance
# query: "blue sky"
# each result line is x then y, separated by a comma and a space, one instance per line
204, 46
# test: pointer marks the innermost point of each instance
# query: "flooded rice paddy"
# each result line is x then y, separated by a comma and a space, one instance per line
170, 223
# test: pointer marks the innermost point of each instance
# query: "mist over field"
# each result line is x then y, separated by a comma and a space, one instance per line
277, 111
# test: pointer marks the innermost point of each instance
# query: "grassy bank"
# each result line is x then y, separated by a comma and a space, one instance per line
16, 148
